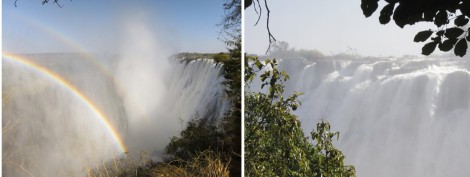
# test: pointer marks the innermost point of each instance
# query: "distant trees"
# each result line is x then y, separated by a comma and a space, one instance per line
221, 57
275, 144
440, 12
280, 49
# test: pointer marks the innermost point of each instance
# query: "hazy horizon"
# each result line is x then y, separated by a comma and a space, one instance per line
79, 26
331, 28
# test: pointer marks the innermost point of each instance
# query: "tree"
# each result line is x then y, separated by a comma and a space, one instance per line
231, 24
440, 12
198, 136
232, 123
275, 144
222, 137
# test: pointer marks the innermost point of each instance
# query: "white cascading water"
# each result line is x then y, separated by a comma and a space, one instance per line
160, 94
191, 89
49, 131
396, 117
194, 82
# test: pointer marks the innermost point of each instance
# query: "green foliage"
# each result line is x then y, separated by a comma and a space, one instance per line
187, 56
221, 57
275, 144
441, 13
199, 135
231, 23
222, 137
329, 159
231, 125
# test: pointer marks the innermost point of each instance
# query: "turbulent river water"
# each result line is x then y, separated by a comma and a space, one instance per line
397, 117
64, 113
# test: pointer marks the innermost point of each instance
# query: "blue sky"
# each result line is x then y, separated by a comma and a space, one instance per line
96, 26
332, 26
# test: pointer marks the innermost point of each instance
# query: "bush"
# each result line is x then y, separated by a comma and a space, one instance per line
275, 144
198, 136
221, 57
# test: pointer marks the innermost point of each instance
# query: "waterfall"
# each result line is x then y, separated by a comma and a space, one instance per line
397, 117
50, 127
196, 87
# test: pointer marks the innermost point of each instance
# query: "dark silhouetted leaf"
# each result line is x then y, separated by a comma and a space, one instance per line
428, 48
386, 13
468, 34
453, 32
439, 12
465, 8
369, 6
406, 14
399, 15
461, 48
248, 3
447, 45
452, 9
391, 1
436, 39
441, 18
430, 14
423, 36
461, 20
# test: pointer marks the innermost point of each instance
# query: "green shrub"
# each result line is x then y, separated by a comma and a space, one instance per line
275, 144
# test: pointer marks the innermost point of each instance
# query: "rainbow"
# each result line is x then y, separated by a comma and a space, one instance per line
61, 81
64, 39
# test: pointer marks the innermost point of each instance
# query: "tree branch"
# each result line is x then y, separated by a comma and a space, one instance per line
270, 36
259, 14
55, 2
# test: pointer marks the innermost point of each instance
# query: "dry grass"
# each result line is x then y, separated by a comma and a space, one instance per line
204, 164
124, 166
